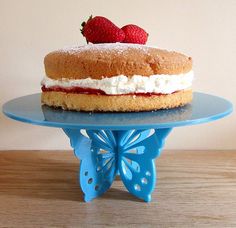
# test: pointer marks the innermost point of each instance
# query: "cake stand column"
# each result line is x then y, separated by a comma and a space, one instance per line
105, 153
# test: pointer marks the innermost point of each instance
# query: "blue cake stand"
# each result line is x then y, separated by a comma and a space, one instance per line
124, 144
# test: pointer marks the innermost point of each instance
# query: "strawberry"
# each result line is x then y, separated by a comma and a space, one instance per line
134, 34
101, 30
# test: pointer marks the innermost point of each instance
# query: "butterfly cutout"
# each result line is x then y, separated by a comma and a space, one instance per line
107, 153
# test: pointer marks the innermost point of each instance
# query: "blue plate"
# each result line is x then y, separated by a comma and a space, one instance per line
204, 108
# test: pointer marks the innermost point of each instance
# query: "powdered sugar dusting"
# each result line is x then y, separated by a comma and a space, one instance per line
104, 47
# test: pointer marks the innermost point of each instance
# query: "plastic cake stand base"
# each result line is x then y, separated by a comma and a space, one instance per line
129, 153
124, 144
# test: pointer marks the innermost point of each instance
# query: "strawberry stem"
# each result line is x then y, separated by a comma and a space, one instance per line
84, 23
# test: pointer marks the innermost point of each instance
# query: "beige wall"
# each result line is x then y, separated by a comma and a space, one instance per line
204, 29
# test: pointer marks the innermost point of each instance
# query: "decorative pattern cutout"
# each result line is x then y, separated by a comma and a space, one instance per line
106, 153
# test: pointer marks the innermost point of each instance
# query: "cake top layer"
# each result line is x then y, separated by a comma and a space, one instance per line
113, 59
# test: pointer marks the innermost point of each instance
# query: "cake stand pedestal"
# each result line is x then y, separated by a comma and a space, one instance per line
125, 144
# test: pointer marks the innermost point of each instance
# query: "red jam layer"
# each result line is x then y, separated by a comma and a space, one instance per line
80, 90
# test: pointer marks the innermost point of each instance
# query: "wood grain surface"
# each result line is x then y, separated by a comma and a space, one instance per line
194, 189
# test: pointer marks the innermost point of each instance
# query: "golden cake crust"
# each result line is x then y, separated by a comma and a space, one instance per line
121, 103
108, 60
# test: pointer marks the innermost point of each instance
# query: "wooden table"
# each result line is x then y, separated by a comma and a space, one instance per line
194, 189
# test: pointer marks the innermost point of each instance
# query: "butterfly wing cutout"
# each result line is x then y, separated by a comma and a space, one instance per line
138, 149
97, 165
98, 169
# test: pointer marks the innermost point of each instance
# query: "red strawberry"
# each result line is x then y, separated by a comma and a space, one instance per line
134, 34
101, 30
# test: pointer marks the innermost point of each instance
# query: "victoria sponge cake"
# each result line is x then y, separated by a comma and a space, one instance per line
116, 77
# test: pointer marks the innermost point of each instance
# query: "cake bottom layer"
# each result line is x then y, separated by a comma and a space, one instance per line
121, 103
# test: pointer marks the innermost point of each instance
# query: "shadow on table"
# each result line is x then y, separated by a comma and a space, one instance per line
118, 194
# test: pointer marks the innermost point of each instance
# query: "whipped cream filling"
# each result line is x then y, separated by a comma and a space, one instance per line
160, 83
